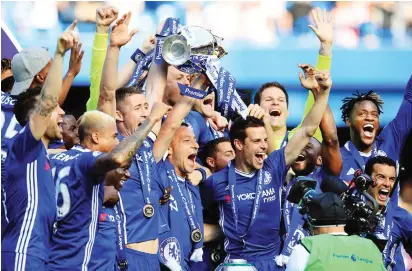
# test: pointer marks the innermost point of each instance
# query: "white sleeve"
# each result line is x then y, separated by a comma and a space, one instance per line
298, 259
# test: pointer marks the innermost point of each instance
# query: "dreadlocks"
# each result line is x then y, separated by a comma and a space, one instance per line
349, 102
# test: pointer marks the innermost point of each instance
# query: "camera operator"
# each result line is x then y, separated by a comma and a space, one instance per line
331, 248
395, 224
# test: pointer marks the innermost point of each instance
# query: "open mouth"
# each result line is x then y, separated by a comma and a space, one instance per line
383, 194
275, 113
368, 129
300, 158
260, 157
192, 157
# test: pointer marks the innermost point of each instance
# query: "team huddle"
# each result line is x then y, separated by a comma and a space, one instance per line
150, 179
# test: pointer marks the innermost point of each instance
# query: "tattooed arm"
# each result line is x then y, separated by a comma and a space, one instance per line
49, 96
123, 153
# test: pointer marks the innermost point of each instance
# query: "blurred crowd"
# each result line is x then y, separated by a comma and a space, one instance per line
251, 25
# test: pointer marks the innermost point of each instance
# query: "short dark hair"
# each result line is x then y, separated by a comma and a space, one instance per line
238, 128
5, 64
382, 160
258, 95
124, 92
25, 104
349, 102
210, 148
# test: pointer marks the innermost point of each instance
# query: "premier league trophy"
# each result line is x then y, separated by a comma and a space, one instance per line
191, 40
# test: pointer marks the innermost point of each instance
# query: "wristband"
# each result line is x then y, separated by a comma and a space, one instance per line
137, 55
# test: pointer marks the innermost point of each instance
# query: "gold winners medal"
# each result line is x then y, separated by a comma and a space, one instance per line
196, 236
148, 210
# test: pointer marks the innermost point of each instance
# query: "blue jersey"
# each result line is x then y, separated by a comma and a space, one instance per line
177, 244
56, 144
137, 227
79, 192
9, 125
104, 249
388, 143
401, 231
202, 130
30, 199
262, 240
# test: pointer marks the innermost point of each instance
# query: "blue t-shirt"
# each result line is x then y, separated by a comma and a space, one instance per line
262, 241
9, 125
401, 231
30, 198
388, 143
104, 249
177, 244
79, 193
138, 227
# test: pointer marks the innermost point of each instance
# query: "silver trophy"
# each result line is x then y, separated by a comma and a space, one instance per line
177, 49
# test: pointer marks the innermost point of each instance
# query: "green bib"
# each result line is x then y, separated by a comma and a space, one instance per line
340, 252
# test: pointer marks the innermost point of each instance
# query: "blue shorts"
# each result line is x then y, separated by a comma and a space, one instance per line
24, 262
138, 261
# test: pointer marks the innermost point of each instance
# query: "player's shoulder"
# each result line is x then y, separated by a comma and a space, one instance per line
219, 178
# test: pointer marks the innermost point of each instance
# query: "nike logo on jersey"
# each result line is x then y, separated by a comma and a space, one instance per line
102, 217
47, 166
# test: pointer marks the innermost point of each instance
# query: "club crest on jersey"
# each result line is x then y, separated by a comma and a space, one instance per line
268, 177
146, 144
297, 235
170, 250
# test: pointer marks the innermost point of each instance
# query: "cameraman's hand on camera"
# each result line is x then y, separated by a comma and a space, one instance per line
104, 17
120, 34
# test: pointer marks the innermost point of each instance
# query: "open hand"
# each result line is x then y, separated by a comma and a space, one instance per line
120, 31
76, 58
323, 25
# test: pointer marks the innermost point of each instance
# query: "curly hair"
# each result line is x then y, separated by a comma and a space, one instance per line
349, 102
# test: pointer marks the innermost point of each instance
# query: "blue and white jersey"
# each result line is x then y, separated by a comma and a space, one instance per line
79, 193
399, 231
176, 244
9, 125
30, 199
104, 249
388, 143
262, 239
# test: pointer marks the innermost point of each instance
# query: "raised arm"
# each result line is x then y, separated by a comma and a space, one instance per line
156, 81
104, 17
323, 29
331, 156
76, 56
118, 37
49, 95
174, 119
302, 136
127, 70
121, 155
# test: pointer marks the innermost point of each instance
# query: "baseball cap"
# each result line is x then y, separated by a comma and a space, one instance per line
25, 65
327, 209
